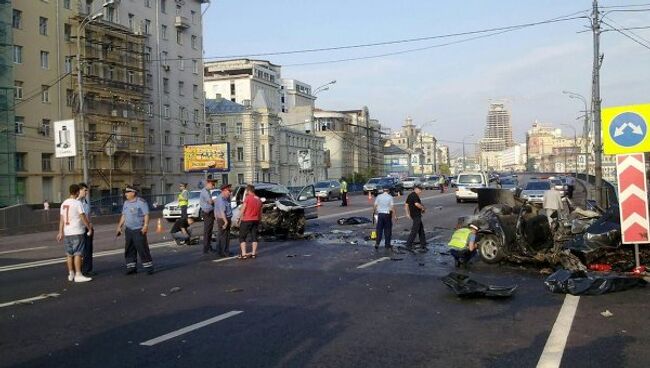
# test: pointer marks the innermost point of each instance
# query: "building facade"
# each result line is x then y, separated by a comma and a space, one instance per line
498, 129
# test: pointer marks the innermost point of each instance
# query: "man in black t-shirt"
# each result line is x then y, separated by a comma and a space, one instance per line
181, 230
414, 210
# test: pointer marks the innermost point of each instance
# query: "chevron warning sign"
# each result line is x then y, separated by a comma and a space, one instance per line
633, 198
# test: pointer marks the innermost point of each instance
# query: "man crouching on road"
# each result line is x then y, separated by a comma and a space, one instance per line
72, 227
181, 230
135, 219
463, 245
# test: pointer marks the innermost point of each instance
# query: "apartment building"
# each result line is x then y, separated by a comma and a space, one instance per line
7, 100
302, 157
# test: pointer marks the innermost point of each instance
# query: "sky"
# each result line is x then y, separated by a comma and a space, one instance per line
453, 84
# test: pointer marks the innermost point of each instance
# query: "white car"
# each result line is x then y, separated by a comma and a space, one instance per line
411, 182
466, 181
171, 211
534, 190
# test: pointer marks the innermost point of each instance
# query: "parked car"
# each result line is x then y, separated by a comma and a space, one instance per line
509, 183
534, 190
328, 189
394, 186
411, 182
559, 185
431, 182
466, 181
371, 185
171, 211
283, 213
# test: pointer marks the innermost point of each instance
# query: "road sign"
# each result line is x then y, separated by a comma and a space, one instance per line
65, 139
633, 198
625, 129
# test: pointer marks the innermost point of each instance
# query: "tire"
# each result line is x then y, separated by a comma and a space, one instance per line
457, 200
490, 249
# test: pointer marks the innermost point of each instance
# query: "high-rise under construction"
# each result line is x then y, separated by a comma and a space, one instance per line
498, 129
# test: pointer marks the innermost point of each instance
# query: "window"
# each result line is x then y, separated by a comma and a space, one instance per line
70, 163
194, 43
178, 9
181, 63
240, 153
19, 122
223, 129
130, 77
195, 116
193, 16
166, 85
111, 15
67, 64
262, 129
181, 140
69, 97
149, 80
134, 134
181, 86
240, 178
167, 138
18, 87
152, 136
151, 162
163, 32
45, 60
45, 94
42, 26
179, 36
147, 3
166, 113
150, 109
17, 19
147, 26
208, 129
66, 4
224, 178
239, 129
46, 161
18, 54
195, 91
67, 32
131, 22
163, 6
164, 57
182, 115
168, 164
92, 132
45, 127
147, 54
21, 159
232, 88
263, 152
182, 164
195, 66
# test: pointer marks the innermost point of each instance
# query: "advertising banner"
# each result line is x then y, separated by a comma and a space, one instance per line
213, 157
65, 139
304, 159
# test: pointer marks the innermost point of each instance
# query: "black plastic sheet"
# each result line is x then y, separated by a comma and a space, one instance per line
586, 283
355, 220
465, 287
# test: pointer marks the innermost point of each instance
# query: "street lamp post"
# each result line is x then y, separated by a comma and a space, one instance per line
467, 136
322, 88
585, 129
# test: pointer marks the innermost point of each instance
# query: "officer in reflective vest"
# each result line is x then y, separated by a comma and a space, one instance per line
183, 200
463, 245
344, 192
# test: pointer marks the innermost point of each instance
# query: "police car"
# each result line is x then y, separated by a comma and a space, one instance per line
172, 211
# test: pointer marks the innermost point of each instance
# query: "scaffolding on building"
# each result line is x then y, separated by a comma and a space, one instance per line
8, 195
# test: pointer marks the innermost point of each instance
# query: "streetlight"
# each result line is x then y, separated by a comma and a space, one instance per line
467, 136
585, 129
324, 87
575, 146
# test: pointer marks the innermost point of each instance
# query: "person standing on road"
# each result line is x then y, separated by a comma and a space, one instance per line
135, 219
207, 209
463, 245
384, 208
181, 230
87, 263
414, 210
251, 214
441, 183
223, 215
183, 199
571, 185
344, 193
72, 226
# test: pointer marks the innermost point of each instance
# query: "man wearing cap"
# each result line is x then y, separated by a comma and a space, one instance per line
384, 208
183, 199
414, 210
223, 215
135, 219
207, 208
463, 245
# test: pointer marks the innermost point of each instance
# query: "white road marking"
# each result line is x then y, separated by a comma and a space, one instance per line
29, 300
224, 259
189, 328
554, 348
22, 250
365, 265
47, 262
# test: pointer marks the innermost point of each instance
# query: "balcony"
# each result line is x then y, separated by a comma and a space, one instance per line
181, 22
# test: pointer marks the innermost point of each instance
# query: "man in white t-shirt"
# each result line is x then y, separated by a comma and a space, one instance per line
72, 226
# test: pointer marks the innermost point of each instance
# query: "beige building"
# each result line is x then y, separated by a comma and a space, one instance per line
426, 154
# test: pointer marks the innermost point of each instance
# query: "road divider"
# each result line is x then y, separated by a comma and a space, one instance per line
189, 328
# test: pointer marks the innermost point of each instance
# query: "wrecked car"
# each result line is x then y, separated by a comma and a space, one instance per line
283, 213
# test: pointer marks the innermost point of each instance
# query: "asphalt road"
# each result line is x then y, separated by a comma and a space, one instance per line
331, 301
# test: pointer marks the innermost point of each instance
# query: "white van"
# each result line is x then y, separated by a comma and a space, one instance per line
468, 180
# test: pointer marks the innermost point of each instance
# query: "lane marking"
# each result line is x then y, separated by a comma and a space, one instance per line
370, 209
365, 265
554, 348
29, 300
224, 259
51, 261
190, 328
22, 250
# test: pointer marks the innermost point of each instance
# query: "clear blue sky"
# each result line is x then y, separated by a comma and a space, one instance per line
452, 84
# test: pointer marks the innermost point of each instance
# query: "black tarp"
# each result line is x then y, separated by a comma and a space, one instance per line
465, 287
588, 283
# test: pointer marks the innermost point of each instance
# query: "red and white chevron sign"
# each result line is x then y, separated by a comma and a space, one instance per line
633, 198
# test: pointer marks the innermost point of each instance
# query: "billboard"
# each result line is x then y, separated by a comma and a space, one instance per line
65, 139
213, 157
304, 159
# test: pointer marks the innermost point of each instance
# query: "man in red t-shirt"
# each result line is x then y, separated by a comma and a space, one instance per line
251, 214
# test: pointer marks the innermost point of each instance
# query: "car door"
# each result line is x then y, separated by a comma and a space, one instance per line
307, 198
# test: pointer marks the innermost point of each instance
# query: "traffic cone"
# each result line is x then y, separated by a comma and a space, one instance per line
159, 228
369, 197
318, 204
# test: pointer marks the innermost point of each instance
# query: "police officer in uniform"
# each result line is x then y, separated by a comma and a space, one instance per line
344, 193
135, 219
463, 245
183, 200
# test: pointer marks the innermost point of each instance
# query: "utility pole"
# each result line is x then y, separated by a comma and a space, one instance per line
596, 101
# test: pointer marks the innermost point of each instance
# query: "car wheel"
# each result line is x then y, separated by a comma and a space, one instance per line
490, 249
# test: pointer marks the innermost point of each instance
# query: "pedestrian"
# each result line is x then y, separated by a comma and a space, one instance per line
87, 264
72, 226
183, 199
135, 219
463, 245
249, 220
207, 208
181, 230
571, 185
441, 183
414, 210
385, 210
344, 193
223, 215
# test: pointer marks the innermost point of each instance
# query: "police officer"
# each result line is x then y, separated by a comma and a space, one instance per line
87, 263
207, 208
344, 192
135, 219
183, 200
463, 245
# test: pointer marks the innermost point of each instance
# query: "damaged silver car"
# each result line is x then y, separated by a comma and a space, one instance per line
283, 212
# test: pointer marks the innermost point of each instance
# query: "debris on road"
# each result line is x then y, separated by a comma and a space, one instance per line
465, 287
355, 220
606, 313
175, 289
587, 283
234, 290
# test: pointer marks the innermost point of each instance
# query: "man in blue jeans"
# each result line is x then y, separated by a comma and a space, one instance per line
463, 245
384, 208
